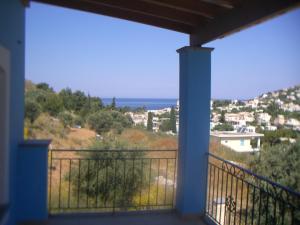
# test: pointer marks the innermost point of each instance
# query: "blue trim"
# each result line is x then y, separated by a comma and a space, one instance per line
35, 143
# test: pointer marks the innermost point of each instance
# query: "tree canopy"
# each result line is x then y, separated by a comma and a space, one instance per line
150, 121
74, 108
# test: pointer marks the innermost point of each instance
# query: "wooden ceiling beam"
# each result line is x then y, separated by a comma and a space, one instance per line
223, 3
195, 7
121, 14
145, 8
250, 13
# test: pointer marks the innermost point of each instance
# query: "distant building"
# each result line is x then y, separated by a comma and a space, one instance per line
156, 123
246, 129
294, 123
271, 128
290, 107
279, 120
138, 118
253, 103
237, 141
235, 118
263, 119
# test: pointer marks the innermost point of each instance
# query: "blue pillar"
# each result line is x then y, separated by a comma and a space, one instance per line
12, 38
32, 181
194, 117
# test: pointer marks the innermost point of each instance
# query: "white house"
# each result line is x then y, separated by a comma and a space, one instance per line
138, 118
263, 118
235, 118
156, 123
294, 123
279, 120
237, 141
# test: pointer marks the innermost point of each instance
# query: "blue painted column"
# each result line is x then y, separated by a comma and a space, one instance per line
194, 117
32, 181
12, 38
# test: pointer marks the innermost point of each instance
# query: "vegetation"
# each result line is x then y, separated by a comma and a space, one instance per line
58, 115
221, 103
272, 138
121, 182
223, 127
150, 121
104, 121
173, 121
281, 164
222, 118
72, 109
284, 159
169, 122
113, 103
32, 110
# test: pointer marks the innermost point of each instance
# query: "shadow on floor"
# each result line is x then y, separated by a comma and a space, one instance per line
166, 218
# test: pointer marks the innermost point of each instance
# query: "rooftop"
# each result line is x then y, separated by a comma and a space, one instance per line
232, 134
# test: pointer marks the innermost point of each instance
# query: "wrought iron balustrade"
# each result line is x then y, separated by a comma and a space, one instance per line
111, 180
236, 195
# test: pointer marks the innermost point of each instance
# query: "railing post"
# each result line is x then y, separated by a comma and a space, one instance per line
195, 82
32, 180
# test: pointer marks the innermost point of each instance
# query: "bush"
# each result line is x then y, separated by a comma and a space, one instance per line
109, 177
104, 121
100, 122
223, 127
32, 110
66, 119
281, 164
53, 105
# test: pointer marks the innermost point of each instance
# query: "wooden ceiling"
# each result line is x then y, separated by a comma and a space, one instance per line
204, 20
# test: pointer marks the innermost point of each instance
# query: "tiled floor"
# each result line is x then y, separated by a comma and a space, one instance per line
167, 218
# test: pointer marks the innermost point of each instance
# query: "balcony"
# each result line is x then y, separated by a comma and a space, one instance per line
111, 180
139, 187
197, 184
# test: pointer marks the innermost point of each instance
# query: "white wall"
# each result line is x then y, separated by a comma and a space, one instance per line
4, 122
235, 144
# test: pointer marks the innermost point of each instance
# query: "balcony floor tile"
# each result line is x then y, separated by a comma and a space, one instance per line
122, 219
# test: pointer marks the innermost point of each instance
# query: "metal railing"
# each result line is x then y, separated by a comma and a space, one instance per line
237, 196
111, 180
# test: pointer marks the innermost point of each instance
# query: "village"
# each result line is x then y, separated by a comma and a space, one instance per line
238, 124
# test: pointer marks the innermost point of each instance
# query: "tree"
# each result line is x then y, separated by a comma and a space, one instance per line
124, 121
32, 110
240, 103
165, 125
222, 118
53, 105
113, 103
100, 121
78, 121
37, 95
281, 164
79, 100
221, 103
66, 97
234, 110
66, 119
95, 104
224, 127
173, 121
111, 177
273, 109
45, 87
150, 121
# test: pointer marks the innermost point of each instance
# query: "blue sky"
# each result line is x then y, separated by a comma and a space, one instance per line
109, 57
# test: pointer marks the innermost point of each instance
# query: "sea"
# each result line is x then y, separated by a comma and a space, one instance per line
148, 103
